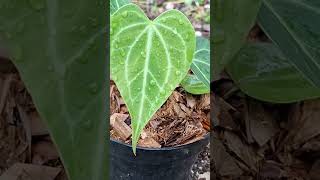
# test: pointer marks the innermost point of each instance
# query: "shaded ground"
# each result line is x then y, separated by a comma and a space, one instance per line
258, 140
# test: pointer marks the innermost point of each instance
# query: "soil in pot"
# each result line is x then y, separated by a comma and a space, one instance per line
169, 144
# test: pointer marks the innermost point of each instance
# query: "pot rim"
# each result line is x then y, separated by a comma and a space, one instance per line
205, 137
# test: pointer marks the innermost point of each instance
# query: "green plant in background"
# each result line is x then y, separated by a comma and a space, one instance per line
232, 20
149, 59
199, 82
59, 50
284, 71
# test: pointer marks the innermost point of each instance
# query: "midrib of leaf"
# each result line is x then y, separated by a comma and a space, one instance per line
146, 71
54, 59
293, 35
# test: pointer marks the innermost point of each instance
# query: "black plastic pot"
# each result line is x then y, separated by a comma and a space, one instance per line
172, 163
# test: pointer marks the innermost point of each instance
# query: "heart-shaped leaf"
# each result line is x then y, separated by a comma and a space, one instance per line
59, 50
263, 72
149, 59
232, 20
293, 26
117, 4
201, 61
193, 85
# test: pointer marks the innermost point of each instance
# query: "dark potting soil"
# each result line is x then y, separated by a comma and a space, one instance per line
183, 119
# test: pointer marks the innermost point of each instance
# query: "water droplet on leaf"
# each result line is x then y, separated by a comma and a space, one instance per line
37, 4
122, 53
143, 54
178, 72
124, 14
187, 37
93, 88
162, 93
152, 82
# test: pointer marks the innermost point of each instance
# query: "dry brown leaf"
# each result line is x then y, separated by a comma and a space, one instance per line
38, 127
191, 101
224, 164
310, 128
261, 123
315, 171
242, 150
43, 151
21, 171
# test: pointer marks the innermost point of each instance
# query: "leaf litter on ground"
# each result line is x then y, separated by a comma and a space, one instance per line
183, 119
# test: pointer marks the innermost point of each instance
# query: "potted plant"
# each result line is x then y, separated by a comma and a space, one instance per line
149, 59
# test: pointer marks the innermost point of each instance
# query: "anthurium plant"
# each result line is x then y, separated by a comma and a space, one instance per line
285, 70
150, 58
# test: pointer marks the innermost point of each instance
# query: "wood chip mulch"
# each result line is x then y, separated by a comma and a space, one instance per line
183, 119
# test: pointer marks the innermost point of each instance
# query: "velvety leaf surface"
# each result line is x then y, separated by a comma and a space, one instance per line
149, 59
58, 47
117, 4
193, 85
263, 72
232, 21
201, 61
293, 26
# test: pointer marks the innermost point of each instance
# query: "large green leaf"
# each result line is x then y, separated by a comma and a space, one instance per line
263, 72
58, 47
117, 4
193, 85
293, 27
201, 61
149, 59
232, 21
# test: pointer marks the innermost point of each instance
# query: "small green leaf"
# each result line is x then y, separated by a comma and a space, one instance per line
263, 72
149, 59
193, 85
201, 61
232, 21
293, 26
117, 4
59, 50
